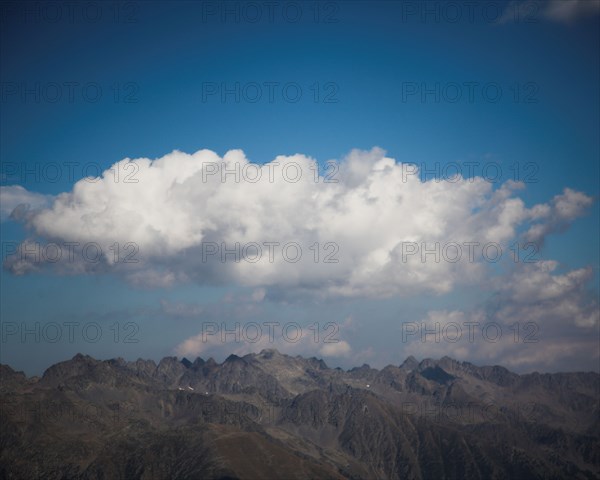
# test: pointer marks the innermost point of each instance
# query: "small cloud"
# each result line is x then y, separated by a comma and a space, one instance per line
559, 11
258, 295
180, 310
152, 279
196, 345
558, 215
570, 10
339, 349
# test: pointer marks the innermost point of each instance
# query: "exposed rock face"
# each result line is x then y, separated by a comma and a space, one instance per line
270, 415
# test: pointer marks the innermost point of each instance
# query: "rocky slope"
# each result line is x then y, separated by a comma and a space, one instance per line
270, 415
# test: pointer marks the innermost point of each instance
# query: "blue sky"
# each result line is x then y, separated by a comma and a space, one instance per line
158, 75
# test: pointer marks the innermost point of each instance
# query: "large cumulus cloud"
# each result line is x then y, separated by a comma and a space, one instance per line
364, 221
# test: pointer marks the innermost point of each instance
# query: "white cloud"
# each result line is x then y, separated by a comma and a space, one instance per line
197, 345
570, 10
16, 197
258, 295
180, 310
339, 349
547, 320
535, 293
557, 216
561, 11
180, 208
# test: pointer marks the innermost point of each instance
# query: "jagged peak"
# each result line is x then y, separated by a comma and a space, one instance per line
81, 357
7, 370
318, 361
6, 367
410, 363
167, 361
143, 362
363, 367
120, 361
270, 352
186, 363
234, 358
198, 362
427, 362
211, 362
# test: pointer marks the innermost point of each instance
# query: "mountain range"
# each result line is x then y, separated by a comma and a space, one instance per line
270, 415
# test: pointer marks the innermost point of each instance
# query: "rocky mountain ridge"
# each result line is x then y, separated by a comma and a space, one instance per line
270, 415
